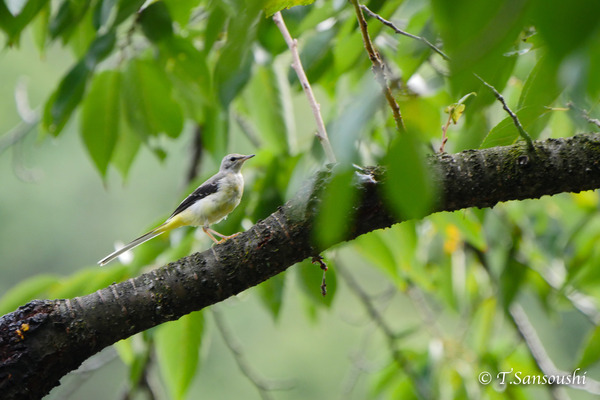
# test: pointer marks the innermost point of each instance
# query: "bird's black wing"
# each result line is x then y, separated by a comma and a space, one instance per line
207, 188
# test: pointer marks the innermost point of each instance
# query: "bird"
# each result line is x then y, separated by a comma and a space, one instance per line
210, 203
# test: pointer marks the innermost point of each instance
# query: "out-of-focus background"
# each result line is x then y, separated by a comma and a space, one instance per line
419, 310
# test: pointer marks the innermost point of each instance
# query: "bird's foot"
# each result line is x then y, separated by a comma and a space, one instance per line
226, 238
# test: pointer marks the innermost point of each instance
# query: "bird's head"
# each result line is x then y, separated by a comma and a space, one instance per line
234, 162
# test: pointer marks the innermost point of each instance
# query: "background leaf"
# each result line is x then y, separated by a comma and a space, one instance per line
100, 118
177, 347
150, 106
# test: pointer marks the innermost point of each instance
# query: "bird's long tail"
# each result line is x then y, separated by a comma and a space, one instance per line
167, 226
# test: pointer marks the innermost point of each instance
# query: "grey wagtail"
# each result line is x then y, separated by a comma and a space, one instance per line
207, 205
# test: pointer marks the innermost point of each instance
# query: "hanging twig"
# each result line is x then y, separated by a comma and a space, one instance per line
297, 66
318, 259
378, 67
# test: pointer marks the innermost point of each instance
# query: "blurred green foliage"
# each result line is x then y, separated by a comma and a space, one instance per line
143, 80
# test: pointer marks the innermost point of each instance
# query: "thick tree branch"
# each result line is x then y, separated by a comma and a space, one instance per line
43, 340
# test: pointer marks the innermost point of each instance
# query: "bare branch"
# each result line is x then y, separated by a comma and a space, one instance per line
514, 117
264, 387
401, 32
297, 66
420, 386
378, 67
543, 360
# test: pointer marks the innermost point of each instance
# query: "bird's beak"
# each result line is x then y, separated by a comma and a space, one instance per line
248, 157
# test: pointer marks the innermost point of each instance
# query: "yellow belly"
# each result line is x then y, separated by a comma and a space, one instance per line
215, 207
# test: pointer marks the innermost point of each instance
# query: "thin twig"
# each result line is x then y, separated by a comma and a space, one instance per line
543, 360
319, 260
500, 98
247, 128
391, 337
264, 387
378, 67
22, 102
445, 131
514, 117
17, 134
528, 334
584, 113
401, 32
297, 66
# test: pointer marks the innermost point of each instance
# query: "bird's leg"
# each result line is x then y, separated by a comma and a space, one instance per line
210, 232
207, 231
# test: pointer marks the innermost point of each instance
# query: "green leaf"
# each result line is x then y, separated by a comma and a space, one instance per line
476, 36
127, 8
349, 127
100, 118
265, 103
86, 281
67, 18
216, 130
333, 218
233, 67
102, 13
271, 293
125, 350
100, 48
82, 36
591, 351
541, 88
374, 249
412, 54
62, 102
14, 24
232, 72
272, 6
215, 25
150, 106
156, 22
187, 67
127, 146
27, 290
178, 347
39, 28
66, 98
483, 320
409, 187
271, 184
506, 133
467, 223
566, 26
512, 278
316, 55
181, 10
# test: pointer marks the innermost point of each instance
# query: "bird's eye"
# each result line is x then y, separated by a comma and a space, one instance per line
231, 159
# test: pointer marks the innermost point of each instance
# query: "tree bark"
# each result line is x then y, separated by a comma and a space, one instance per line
45, 339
